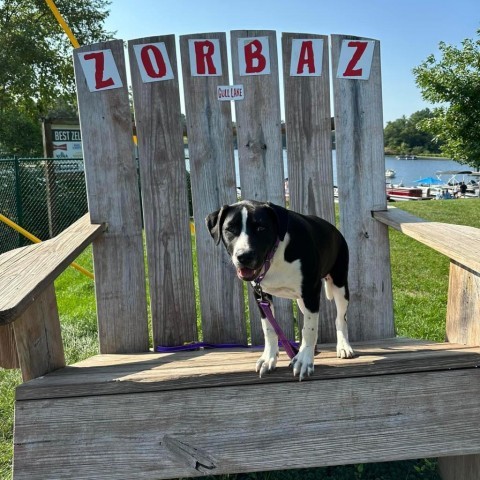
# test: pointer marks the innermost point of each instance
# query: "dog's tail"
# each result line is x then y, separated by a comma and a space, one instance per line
328, 287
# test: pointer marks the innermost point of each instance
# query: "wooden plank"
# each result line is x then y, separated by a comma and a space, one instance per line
463, 312
165, 199
27, 271
132, 436
113, 198
361, 184
210, 146
38, 337
463, 307
465, 468
8, 348
206, 369
260, 152
461, 243
309, 147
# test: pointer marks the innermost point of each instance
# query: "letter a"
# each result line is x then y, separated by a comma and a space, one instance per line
306, 58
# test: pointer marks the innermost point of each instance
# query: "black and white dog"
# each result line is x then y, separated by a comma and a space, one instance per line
309, 251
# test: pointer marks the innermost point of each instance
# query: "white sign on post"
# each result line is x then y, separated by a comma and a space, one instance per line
355, 59
306, 58
227, 93
100, 70
153, 62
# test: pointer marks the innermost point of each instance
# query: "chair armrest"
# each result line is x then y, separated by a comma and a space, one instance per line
25, 272
458, 242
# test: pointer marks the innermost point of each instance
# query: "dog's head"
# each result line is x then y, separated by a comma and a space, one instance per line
249, 231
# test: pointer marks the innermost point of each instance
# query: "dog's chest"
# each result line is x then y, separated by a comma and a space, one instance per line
283, 279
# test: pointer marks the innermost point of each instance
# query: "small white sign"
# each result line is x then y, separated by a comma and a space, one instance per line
307, 57
227, 93
254, 56
205, 60
153, 62
355, 59
100, 70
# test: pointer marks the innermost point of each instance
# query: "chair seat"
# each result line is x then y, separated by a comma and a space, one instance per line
164, 415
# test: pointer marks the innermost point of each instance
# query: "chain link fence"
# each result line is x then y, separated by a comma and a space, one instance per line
42, 195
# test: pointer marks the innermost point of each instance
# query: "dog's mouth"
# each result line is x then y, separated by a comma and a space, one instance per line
247, 274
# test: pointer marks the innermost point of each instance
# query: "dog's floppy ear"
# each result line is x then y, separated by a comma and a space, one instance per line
214, 223
281, 215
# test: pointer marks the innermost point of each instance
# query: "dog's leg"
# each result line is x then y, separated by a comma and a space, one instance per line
268, 361
303, 361
344, 349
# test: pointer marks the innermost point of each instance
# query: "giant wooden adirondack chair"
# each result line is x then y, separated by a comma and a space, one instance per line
133, 413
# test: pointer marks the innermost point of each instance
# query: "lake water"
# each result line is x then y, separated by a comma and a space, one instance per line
407, 171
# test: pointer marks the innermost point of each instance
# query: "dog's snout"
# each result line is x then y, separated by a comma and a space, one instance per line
245, 257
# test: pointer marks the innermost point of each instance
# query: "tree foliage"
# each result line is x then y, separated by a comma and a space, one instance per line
406, 135
36, 73
453, 82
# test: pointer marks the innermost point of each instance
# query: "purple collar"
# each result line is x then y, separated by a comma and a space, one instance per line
268, 262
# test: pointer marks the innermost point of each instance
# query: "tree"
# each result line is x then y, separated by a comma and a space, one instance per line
453, 82
406, 135
36, 69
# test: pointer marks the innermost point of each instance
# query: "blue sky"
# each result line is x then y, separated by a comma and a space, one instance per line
409, 30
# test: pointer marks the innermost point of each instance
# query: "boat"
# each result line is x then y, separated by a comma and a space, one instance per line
406, 157
400, 194
390, 173
452, 184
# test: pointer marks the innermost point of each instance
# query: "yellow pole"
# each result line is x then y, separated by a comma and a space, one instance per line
62, 23
35, 239
75, 43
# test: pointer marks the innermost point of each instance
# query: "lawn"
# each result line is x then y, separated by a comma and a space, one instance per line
420, 281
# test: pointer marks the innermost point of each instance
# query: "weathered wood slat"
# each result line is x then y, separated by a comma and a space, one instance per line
204, 369
38, 336
113, 198
465, 467
458, 242
309, 148
27, 271
160, 434
260, 154
210, 147
165, 200
361, 187
463, 307
8, 349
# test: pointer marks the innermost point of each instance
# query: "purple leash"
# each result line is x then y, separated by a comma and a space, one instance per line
266, 306
290, 347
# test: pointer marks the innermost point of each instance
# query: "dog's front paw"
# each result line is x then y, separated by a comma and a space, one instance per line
267, 362
302, 363
344, 349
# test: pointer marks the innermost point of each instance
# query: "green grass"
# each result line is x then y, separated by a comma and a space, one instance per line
420, 281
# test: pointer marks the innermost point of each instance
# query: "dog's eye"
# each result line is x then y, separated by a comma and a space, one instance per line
231, 229
260, 228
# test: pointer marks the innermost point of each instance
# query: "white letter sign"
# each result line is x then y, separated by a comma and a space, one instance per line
205, 58
254, 56
153, 62
307, 57
100, 70
355, 59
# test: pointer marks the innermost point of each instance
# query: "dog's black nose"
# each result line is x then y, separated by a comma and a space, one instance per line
246, 257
